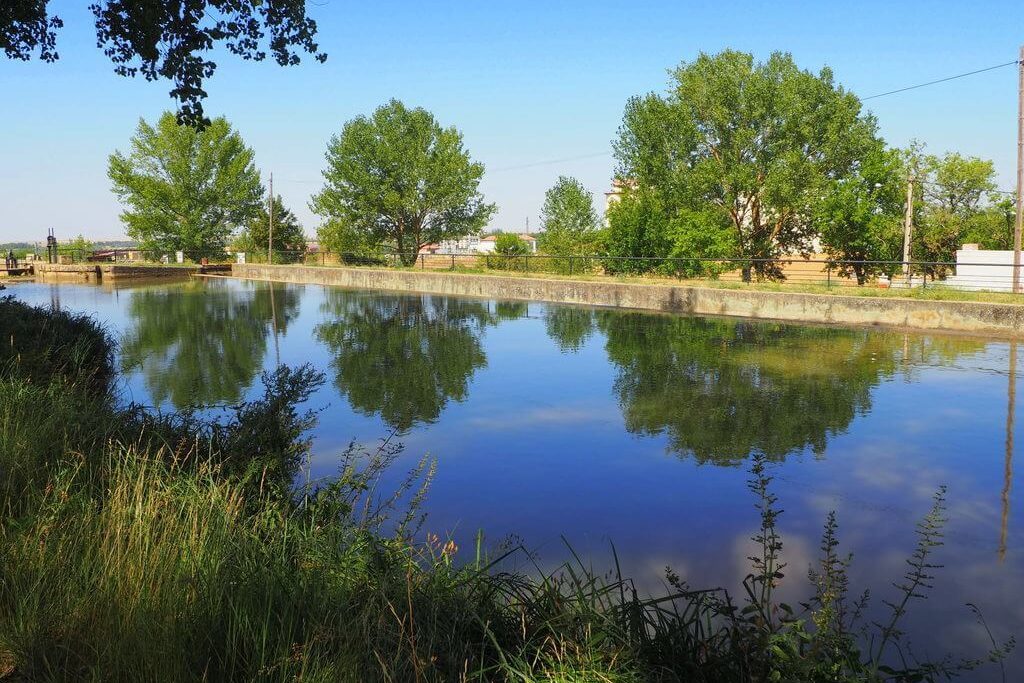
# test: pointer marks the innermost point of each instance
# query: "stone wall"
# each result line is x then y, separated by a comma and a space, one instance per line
96, 272
1004, 320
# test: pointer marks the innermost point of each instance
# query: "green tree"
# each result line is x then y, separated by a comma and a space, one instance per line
203, 343
744, 147
289, 238
509, 248
400, 179
80, 247
959, 205
860, 215
348, 242
403, 358
510, 244
169, 40
186, 189
570, 223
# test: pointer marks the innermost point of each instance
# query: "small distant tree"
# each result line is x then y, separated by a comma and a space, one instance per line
509, 244
399, 178
186, 189
80, 246
570, 223
289, 240
959, 204
509, 247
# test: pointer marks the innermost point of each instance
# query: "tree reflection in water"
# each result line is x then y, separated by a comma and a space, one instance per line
203, 342
722, 389
405, 357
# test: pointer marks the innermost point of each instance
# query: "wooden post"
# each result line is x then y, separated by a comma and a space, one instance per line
908, 228
1020, 172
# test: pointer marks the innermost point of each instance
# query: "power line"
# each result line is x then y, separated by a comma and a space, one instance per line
552, 161
941, 80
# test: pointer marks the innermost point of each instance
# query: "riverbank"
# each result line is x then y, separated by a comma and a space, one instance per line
965, 317
144, 546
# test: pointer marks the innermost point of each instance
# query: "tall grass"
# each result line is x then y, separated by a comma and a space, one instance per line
136, 547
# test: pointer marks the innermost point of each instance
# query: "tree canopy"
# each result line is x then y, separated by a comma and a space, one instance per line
184, 188
736, 151
958, 203
170, 40
860, 216
402, 180
288, 237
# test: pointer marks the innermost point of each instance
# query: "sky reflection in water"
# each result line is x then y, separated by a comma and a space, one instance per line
633, 428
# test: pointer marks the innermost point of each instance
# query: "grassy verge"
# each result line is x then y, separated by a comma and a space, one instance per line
136, 546
932, 292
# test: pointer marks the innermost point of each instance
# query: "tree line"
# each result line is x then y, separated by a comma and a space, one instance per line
742, 160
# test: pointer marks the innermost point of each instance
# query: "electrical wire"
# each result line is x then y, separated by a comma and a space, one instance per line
552, 161
941, 80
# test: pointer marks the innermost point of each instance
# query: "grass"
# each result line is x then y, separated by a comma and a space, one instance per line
136, 546
932, 292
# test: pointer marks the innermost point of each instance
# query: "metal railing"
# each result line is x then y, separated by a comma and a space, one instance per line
783, 270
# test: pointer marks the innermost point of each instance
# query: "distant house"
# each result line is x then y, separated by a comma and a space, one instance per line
488, 244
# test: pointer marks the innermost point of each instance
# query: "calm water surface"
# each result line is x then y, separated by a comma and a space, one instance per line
627, 428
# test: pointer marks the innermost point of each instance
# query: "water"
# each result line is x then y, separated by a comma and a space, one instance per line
627, 428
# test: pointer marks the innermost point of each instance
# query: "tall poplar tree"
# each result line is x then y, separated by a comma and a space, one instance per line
184, 188
738, 151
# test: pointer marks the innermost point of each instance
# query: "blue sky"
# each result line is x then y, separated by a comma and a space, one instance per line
526, 82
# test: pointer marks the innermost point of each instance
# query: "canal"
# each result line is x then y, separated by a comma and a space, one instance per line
556, 424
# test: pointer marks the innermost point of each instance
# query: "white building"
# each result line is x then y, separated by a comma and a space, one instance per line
983, 269
487, 244
465, 245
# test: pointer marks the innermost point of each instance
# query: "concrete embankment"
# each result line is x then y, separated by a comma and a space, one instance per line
105, 272
1004, 320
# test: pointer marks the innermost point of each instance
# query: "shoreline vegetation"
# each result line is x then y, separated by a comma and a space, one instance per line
137, 545
933, 292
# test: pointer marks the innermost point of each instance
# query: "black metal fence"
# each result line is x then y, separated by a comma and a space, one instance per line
970, 275
787, 270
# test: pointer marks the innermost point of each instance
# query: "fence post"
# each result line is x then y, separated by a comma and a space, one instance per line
453, 261
527, 263
570, 265
828, 276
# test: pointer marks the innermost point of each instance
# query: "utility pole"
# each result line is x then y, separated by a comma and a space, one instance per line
270, 234
908, 228
1020, 172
